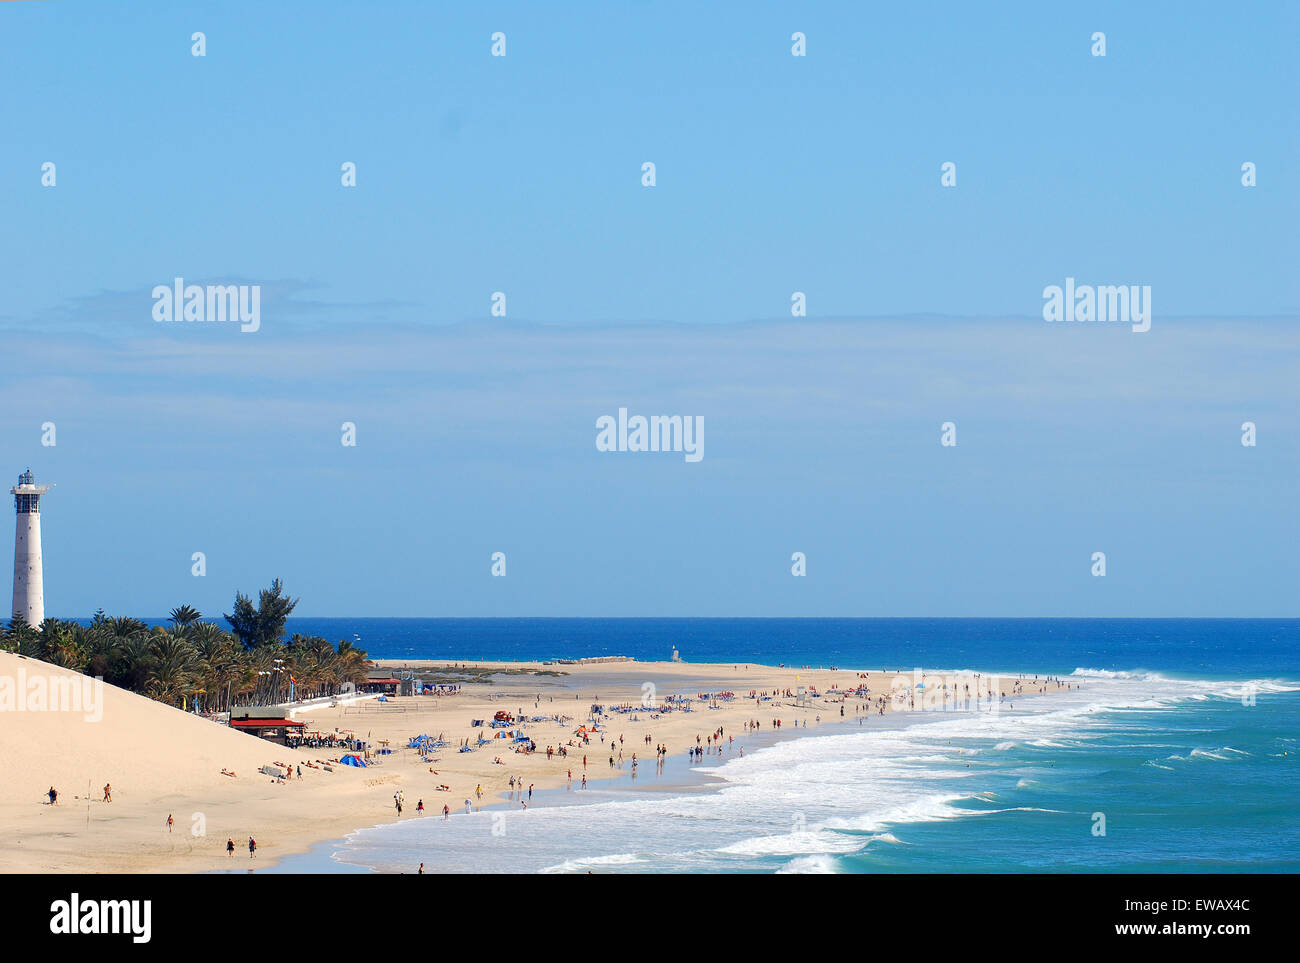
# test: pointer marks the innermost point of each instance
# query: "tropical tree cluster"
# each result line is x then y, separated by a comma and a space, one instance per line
192, 663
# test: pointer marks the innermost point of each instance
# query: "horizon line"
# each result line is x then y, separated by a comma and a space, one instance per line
809, 618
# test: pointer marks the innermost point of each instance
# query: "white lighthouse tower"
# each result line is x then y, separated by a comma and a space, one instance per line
29, 584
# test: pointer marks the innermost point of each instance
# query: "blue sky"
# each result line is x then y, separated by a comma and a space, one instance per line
775, 174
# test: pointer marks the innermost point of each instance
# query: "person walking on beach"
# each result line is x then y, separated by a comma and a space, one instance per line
252, 847
54, 795
108, 792
419, 809
169, 822
530, 792
420, 871
230, 848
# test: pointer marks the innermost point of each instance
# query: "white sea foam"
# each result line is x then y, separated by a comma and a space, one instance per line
809, 864
885, 838
1225, 754
593, 862
808, 800
1194, 689
793, 844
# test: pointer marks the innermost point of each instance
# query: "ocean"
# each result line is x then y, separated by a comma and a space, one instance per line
1178, 754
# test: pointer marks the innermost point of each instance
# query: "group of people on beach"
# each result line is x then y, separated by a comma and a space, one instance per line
53, 794
230, 848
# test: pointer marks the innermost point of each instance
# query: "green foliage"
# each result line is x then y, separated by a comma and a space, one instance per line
263, 625
184, 615
20, 637
196, 662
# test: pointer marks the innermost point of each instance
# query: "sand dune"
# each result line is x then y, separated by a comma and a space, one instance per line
144, 748
159, 761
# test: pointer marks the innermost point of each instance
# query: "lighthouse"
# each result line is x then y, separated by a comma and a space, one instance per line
29, 587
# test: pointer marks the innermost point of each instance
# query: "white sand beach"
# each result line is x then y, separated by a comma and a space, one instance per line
160, 761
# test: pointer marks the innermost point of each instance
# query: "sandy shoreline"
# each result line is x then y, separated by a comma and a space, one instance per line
161, 761
679, 776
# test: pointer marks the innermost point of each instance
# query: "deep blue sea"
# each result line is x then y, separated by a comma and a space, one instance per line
1215, 648
1184, 738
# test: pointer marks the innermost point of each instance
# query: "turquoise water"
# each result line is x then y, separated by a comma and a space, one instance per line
1193, 771
1198, 783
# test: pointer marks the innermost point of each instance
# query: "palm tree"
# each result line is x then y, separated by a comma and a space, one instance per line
132, 662
184, 616
218, 659
173, 671
62, 644
353, 663
193, 657
124, 626
269, 676
99, 646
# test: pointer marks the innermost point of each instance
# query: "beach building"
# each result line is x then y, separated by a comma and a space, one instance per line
266, 722
29, 583
382, 681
